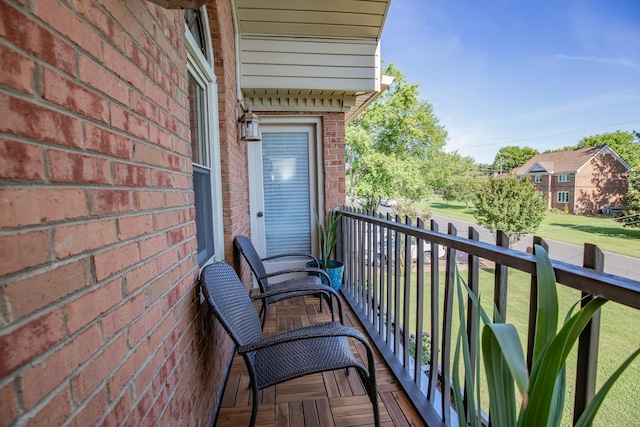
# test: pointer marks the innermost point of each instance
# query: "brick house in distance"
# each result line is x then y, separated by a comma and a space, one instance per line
586, 180
122, 173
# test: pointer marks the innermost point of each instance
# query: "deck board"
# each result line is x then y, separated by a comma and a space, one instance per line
328, 399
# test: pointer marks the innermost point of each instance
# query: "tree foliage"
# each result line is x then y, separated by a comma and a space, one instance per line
630, 217
509, 204
390, 145
511, 157
462, 189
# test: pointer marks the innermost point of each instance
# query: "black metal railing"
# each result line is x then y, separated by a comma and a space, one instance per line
394, 283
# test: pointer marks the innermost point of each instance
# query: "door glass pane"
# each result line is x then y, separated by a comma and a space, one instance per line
285, 167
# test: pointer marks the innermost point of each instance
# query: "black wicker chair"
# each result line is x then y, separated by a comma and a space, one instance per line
316, 348
248, 251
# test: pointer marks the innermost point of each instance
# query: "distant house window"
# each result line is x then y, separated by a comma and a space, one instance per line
537, 179
563, 197
563, 177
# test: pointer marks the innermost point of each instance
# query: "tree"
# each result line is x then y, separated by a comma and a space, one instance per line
630, 217
462, 189
390, 144
509, 204
512, 156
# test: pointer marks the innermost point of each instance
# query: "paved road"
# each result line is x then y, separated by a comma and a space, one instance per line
620, 265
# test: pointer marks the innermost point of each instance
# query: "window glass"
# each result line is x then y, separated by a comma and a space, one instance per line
537, 179
563, 177
563, 197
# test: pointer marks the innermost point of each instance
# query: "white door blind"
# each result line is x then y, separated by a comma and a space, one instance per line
285, 158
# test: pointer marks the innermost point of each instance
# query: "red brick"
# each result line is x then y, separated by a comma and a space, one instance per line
30, 294
121, 317
131, 175
78, 168
101, 21
121, 65
140, 276
128, 122
177, 235
125, 372
141, 327
106, 142
16, 70
140, 408
74, 97
111, 201
62, 19
19, 160
153, 245
83, 310
177, 198
100, 78
8, 409
27, 342
118, 412
155, 290
17, 29
34, 121
19, 251
87, 236
40, 205
132, 226
45, 376
160, 137
99, 369
92, 411
115, 260
149, 154
54, 412
149, 199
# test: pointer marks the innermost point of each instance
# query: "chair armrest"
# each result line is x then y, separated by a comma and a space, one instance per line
319, 330
297, 270
302, 290
292, 254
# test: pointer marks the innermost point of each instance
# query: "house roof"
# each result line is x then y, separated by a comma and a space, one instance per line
565, 161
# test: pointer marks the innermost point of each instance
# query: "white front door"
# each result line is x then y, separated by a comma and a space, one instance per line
282, 186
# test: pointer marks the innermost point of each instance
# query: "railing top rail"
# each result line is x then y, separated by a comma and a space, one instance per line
615, 288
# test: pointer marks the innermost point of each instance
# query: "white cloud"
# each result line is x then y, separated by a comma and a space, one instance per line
623, 62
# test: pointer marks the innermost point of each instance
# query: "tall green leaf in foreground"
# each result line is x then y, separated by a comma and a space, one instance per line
541, 392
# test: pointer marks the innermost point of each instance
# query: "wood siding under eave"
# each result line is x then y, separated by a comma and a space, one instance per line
309, 63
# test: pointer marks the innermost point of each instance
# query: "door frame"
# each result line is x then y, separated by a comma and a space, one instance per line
311, 124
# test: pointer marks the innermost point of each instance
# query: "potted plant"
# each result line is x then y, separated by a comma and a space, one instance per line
328, 236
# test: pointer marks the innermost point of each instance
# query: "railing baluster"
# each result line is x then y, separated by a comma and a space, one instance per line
406, 318
419, 307
473, 265
446, 329
396, 297
501, 277
533, 305
588, 344
435, 322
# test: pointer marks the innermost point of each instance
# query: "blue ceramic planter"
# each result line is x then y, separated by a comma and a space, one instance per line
336, 269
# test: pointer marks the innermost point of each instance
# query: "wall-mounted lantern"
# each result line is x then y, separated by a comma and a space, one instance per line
249, 130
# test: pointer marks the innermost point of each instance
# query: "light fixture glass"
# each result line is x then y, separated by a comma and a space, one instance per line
249, 128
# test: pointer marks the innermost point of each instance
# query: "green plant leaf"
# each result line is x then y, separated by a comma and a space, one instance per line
547, 313
500, 382
590, 411
551, 360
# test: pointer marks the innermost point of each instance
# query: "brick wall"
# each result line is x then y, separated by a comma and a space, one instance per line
601, 183
99, 315
562, 186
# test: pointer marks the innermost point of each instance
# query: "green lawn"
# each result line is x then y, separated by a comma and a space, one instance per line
600, 230
619, 338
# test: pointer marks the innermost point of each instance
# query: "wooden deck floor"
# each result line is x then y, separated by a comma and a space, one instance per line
328, 399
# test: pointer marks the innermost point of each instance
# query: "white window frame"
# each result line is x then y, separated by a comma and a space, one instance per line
562, 197
201, 69
563, 177
537, 179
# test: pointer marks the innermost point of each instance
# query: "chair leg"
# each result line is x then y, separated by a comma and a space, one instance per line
254, 409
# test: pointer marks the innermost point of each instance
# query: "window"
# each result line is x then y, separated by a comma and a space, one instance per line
563, 177
537, 179
563, 197
205, 145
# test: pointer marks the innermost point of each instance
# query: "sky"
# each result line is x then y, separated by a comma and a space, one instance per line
536, 73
